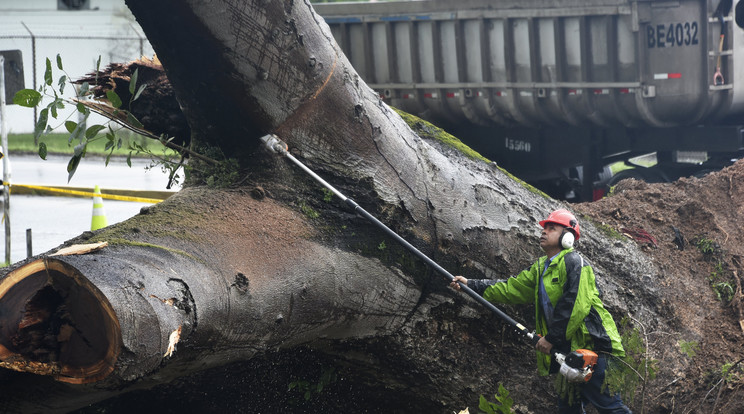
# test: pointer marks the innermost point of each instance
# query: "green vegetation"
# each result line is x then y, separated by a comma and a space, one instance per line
310, 389
426, 129
83, 137
706, 246
609, 231
57, 143
721, 284
525, 185
502, 405
625, 375
222, 174
721, 278
127, 242
308, 211
730, 376
732, 373
689, 348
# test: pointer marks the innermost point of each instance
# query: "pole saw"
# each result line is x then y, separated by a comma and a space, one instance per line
576, 366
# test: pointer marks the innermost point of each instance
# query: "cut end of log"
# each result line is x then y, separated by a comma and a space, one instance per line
54, 322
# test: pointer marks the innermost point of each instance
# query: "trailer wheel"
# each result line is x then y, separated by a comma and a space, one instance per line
642, 174
702, 173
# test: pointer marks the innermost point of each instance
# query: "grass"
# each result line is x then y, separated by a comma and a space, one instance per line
57, 144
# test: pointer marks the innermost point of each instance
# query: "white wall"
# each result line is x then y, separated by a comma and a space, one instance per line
107, 30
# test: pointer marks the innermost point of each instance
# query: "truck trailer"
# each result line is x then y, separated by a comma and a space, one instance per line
557, 90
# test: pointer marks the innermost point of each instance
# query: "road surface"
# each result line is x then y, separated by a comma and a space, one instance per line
53, 220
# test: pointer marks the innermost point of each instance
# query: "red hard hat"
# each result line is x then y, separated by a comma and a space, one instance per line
564, 218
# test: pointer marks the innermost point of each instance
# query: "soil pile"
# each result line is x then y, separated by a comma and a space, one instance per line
691, 230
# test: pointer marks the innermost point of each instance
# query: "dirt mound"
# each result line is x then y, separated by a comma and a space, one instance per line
691, 229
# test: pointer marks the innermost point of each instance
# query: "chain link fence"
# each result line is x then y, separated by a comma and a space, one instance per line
80, 47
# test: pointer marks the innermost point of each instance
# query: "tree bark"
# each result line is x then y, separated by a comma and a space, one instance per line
235, 276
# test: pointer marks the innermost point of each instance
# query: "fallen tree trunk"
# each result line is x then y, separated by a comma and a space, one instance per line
214, 276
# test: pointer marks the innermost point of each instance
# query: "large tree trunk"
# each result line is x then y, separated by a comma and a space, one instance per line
237, 274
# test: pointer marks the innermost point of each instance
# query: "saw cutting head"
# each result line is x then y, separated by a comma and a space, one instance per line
274, 144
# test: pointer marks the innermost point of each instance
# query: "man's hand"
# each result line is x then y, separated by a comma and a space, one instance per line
456, 285
544, 346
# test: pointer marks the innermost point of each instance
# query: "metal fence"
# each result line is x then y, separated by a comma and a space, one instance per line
80, 48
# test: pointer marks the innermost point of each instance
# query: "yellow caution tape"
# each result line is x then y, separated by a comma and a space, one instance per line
86, 194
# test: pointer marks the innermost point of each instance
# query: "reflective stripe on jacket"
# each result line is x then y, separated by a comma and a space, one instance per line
580, 321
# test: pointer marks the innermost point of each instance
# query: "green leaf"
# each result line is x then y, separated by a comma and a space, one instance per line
139, 92
59, 62
93, 130
42, 150
486, 406
56, 104
70, 126
41, 123
80, 149
77, 134
75, 160
81, 108
113, 97
84, 88
129, 159
72, 166
27, 97
48, 72
133, 81
133, 121
61, 83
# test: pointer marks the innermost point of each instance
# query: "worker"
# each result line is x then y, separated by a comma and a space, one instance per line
569, 312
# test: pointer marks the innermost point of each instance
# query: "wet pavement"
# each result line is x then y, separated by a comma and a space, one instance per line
53, 220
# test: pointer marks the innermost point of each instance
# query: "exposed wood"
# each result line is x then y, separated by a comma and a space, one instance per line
66, 328
80, 249
155, 107
270, 267
242, 276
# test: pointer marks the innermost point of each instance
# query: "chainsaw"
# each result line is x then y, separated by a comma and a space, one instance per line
576, 366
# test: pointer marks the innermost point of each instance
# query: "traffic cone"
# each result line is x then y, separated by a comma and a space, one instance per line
99, 215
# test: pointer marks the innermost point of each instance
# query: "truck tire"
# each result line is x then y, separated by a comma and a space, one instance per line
643, 174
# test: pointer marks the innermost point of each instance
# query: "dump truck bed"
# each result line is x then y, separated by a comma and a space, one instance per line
533, 63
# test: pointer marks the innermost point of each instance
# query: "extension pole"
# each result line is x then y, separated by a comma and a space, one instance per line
278, 146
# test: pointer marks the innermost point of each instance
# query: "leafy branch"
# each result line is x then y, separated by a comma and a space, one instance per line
79, 133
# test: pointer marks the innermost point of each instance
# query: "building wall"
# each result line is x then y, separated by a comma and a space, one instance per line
40, 30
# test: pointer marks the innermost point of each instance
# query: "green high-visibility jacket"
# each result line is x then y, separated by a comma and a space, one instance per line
580, 321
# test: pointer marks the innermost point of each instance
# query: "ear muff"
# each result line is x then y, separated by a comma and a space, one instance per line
567, 239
